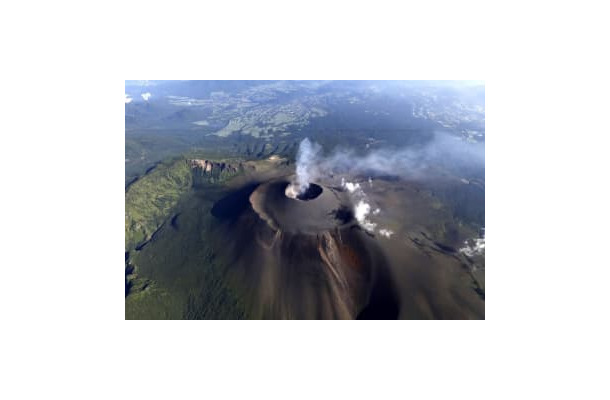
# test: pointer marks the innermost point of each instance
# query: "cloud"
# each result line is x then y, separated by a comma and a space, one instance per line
128, 99
146, 96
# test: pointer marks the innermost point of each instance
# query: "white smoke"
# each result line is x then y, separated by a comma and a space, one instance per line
351, 187
146, 96
474, 247
307, 169
412, 162
361, 211
363, 207
292, 191
386, 232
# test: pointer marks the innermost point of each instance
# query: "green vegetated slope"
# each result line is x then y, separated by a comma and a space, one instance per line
144, 151
179, 275
150, 200
171, 271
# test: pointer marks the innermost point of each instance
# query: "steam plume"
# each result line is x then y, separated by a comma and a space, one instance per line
307, 169
415, 162
411, 162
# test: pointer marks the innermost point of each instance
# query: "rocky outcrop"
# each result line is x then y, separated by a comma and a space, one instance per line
207, 171
207, 166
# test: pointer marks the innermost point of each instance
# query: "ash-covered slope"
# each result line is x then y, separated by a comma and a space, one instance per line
305, 259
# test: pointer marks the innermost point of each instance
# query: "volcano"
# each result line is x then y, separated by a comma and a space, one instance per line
251, 250
305, 257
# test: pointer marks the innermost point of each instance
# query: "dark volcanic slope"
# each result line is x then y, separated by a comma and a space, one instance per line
305, 259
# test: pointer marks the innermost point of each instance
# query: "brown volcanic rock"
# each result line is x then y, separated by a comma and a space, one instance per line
206, 166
